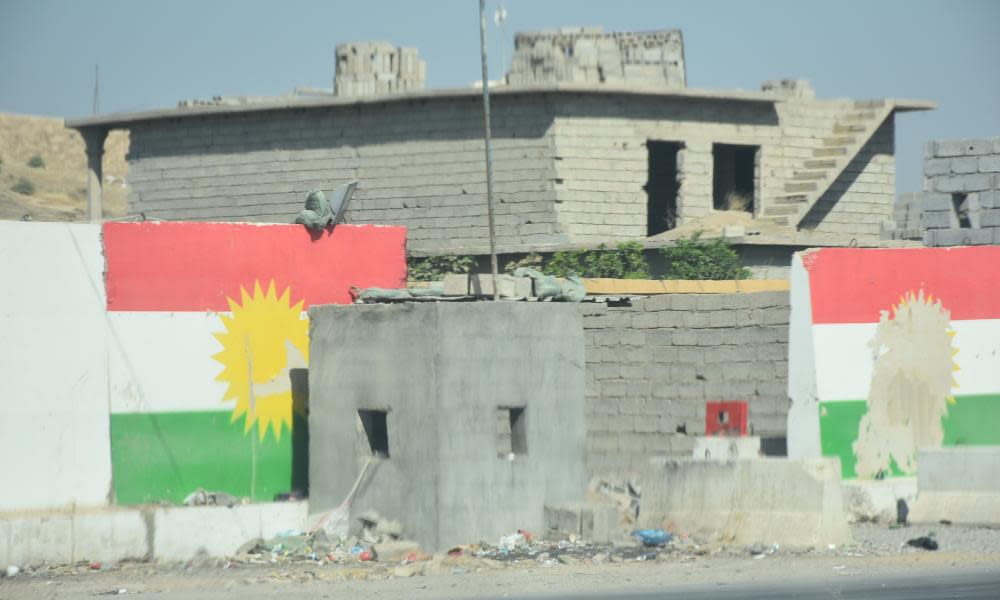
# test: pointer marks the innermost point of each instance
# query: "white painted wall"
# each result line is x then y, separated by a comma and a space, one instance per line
803, 414
54, 415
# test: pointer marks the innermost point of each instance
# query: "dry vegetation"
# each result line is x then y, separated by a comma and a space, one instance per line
60, 186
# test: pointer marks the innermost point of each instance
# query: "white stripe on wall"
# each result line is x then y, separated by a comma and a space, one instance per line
162, 362
844, 359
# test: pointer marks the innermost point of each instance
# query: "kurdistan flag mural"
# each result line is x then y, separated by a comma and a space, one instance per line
210, 348
891, 351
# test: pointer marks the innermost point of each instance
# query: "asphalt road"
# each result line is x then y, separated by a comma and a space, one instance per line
920, 587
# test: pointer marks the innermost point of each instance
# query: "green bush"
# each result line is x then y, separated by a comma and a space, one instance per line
626, 261
434, 268
533, 260
697, 259
36, 162
24, 186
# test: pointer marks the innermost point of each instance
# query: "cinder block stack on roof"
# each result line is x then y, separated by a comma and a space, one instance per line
376, 68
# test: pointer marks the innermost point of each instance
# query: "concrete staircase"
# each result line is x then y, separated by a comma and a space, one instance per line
812, 177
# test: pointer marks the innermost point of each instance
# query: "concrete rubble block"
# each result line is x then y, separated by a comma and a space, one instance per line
937, 166
989, 217
989, 164
795, 503
936, 202
939, 220
977, 147
181, 533
947, 148
989, 199
38, 540
959, 484
593, 522
965, 164
110, 536
726, 447
870, 500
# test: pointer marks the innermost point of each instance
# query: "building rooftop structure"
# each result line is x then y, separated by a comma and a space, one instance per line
577, 161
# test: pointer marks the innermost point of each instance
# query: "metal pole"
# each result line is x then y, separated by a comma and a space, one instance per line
489, 152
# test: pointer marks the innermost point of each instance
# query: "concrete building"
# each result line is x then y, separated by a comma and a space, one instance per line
473, 412
577, 162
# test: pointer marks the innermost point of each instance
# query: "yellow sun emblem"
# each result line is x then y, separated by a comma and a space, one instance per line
265, 338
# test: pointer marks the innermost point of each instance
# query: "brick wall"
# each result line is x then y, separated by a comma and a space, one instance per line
652, 366
961, 201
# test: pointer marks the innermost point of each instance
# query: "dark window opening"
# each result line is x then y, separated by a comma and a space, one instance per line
300, 430
376, 430
774, 446
512, 434
733, 177
661, 187
960, 202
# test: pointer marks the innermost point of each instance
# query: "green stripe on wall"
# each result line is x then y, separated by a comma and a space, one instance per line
971, 421
166, 456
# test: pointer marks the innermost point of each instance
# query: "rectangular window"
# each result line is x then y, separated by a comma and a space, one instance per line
512, 435
376, 431
661, 186
733, 178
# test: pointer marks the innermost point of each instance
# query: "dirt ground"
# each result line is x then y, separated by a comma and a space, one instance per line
877, 551
60, 185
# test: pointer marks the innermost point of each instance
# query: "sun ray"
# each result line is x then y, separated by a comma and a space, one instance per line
257, 356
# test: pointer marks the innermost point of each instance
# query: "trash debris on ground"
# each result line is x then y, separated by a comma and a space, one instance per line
927, 542
200, 497
652, 537
758, 551
12, 571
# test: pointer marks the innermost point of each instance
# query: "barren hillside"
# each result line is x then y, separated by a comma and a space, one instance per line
55, 189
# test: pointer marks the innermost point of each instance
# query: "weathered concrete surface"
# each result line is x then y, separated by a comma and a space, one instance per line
54, 370
876, 500
726, 448
961, 485
792, 503
161, 533
440, 371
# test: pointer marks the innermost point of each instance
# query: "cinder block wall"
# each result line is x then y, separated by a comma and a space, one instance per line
420, 164
652, 366
863, 196
961, 176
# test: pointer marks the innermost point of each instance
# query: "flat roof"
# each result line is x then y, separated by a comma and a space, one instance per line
122, 120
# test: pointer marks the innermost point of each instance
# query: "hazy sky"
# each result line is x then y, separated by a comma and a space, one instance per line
154, 53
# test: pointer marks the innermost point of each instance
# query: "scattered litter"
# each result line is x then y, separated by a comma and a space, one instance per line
945, 522
95, 566
118, 592
13, 570
652, 537
200, 497
926, 542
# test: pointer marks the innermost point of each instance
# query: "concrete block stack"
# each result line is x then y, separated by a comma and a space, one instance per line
588, 55
375, 68
961, 201
652, 366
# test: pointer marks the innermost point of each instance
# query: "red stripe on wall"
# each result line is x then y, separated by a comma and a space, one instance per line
196, 266
852, 285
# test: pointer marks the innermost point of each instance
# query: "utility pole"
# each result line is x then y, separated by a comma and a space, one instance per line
489, 152
97, 88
